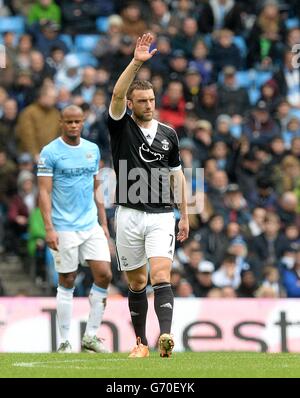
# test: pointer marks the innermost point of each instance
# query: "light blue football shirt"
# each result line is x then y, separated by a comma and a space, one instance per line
73, 169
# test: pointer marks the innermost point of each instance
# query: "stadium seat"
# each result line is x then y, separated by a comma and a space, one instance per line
239, 41
291, 23
254, 95
262, 77
85, 59
243, 78
102, 24
12, 24
86, 42
67, 39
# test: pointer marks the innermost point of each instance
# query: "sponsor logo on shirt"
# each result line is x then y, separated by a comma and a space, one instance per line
149, 156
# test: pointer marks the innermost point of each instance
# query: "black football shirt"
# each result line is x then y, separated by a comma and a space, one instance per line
142, 170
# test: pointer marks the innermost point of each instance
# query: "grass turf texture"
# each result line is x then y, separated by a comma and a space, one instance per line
181, 365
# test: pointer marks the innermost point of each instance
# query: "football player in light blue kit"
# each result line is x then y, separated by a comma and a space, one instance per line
70, 202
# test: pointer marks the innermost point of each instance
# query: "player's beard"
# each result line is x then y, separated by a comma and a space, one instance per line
145, 117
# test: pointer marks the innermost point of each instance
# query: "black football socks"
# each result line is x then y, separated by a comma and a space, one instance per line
163, 304
138, 306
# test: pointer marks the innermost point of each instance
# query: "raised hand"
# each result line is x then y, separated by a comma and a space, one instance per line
141, 52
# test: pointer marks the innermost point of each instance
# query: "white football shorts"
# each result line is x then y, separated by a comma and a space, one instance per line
141, 235
77, 247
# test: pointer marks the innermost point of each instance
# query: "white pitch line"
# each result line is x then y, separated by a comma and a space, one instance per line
47, 363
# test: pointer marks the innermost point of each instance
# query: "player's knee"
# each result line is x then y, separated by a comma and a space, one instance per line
138, 283
160, 277
67, 280
103, 279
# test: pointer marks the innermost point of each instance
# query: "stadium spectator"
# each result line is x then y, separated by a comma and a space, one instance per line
203, 139
218, 14
266, 37
79, 16
222, 131
216, 188
43, 10
295, 148
228, 274
201, 62
19, 210
271, 244
235, 207
8, 171
232, 99
288, 80
286, 175
187, 37
248, 285
7, 128
47, 37
172, 110
203, 278
31, 131
269, 94
292, 130
224, 52
87, 88
3, 98
260, 128
287, 209
70, 73
271, 279
160, 65
291, 277
193, 88
214, 241
184, 289
134, 24
161, 18
209, 108
178, 65
110, 41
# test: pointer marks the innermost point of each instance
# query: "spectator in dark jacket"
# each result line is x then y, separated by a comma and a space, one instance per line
79, 16
271, 244
233, 100
224, 52
260, 128
217, 14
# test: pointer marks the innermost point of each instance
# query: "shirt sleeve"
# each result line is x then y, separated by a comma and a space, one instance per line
114, 125
45, 165
174, 157
98, 158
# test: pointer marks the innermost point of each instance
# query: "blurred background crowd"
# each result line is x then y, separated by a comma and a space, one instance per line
226, 77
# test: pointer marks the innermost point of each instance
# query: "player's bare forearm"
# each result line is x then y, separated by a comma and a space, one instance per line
178, 185
45, 205
124, 81
98, 196
141, 54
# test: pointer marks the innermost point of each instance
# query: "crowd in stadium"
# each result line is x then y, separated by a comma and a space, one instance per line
225, 77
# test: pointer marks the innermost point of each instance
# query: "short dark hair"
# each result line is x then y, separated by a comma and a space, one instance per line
139, 85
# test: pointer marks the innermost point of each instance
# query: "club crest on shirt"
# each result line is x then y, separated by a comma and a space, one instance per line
89, 156
165, 145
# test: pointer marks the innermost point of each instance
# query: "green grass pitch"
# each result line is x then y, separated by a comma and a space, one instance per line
181, 365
